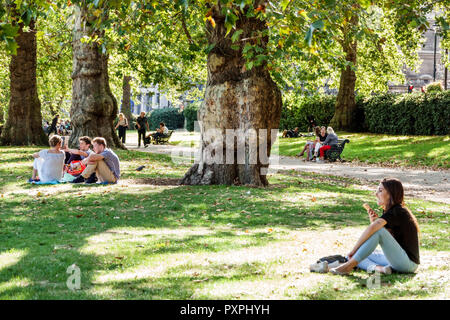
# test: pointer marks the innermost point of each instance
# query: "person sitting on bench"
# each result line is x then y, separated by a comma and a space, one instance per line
48, 164
103, 161
310, 145
332, 138
161, 132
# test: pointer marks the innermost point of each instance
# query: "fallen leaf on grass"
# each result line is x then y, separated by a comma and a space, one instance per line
119, 258
80, 215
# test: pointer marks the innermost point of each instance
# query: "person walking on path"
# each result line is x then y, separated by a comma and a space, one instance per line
122, 126
53, 125
141, 124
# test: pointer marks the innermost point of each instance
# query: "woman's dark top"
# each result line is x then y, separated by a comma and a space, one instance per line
404, 230
322, 139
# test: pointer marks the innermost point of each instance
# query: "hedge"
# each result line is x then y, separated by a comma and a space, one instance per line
414, 113
190, 114
296, 109
172, 118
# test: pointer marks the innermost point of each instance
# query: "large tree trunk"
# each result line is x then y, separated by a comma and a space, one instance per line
345, 101
24, 123
126, 96
235, 98
94, 108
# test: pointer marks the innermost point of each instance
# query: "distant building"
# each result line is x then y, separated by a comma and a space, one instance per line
149, 98
425, 73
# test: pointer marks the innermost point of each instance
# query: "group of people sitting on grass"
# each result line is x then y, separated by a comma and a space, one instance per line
315, 150
84, 165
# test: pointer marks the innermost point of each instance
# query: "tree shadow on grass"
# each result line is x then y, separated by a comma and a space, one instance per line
364, 286
52, 236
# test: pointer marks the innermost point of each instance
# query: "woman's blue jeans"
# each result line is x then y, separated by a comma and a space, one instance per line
393, 254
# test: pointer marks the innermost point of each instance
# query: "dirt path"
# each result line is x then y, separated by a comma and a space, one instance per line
419, 183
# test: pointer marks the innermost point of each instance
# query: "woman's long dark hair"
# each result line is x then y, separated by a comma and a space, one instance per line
396, 197
317, 131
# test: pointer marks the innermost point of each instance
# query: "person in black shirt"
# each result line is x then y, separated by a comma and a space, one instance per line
311, 122
53, 125
396, 231
141, 124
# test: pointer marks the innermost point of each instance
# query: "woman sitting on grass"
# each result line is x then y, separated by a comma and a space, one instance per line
49, 163
396, 231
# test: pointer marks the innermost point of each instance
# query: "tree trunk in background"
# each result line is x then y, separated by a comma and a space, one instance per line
345, 101
94, 108
126, 96
24, 122
235, 98
2, 115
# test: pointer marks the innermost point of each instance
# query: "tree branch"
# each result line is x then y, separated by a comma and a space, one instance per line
186, 31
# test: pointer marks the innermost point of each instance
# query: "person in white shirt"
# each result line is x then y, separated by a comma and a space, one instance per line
49, 163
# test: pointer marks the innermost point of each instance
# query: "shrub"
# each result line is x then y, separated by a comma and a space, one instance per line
190, 114
434, 87
172, 118
416, 113
297, 108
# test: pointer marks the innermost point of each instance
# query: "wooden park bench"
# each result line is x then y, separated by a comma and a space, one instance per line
159, 140
164, 139
336, 149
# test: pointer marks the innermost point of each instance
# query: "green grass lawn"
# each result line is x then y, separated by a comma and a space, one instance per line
148, 238
408, 151
380, 149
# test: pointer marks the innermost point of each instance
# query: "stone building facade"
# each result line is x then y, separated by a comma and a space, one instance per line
425, 72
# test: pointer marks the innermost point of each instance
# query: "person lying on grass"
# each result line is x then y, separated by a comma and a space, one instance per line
291, 133
396, 231
103, 162
48, 164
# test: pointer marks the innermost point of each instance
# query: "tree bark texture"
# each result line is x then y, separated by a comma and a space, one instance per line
94, 107
345, 101
126, 96
24, 122
235, 98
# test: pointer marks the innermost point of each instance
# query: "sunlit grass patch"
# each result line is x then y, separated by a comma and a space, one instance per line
143, 239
